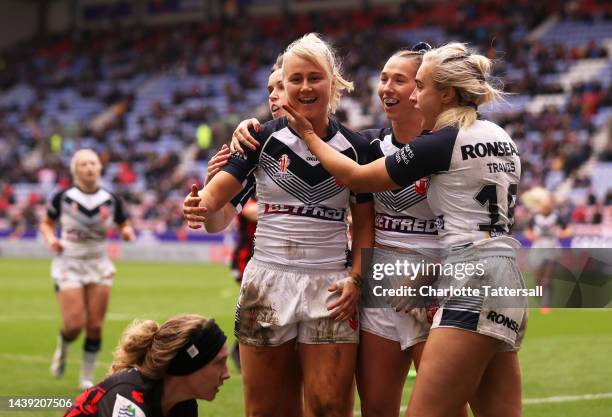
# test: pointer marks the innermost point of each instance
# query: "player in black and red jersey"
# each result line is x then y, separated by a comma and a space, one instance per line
160, 371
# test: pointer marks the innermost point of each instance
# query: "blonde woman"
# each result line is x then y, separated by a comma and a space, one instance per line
82, 272
390, 340
295, 289
474, 168
245, 209
160, 371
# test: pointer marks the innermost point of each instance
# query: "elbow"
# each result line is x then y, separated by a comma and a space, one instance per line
213, 227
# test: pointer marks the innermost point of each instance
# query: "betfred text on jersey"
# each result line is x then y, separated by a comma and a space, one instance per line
318, 212
483, 149
405, 224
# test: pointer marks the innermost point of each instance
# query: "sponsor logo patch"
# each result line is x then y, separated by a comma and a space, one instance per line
192, 351
503, 320
317, 212
283, 164
404, 155
124, 407
420, 186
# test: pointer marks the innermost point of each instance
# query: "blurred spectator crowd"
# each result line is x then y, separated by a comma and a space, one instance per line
157, 102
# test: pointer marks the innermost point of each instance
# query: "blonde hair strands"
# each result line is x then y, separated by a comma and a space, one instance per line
150, 347
469, 74
312, 48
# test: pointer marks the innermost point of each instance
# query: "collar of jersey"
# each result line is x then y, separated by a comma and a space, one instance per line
332, 129
395, 142
85, 192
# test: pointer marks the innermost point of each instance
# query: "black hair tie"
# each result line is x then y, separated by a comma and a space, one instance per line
421, 47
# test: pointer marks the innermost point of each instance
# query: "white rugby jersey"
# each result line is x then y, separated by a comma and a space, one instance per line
301, 207
84, 219
403, 218
547, 229
473, 185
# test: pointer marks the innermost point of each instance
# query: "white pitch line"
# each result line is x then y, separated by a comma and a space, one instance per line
545, 400
567, 398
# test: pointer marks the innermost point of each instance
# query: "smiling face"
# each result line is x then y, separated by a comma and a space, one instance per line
206, 381
308, 87
396, 84
428, 98
276, 94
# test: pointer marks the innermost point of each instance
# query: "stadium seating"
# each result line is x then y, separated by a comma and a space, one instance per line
141, 96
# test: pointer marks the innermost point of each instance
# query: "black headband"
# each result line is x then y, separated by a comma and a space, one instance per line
201, 348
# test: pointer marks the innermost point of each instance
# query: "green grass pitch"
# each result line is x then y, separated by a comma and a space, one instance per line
565, 353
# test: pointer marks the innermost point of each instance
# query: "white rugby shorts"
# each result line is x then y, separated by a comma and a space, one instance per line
76, 273
278, 303
499, 318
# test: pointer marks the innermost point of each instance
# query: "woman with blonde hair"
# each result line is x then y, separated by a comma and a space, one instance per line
474, 169
160, 371
244, 208
390, 340
81, 269
296, 289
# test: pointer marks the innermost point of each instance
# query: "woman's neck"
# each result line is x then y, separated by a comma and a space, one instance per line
172, 394
406, 130
320, 126
86, 186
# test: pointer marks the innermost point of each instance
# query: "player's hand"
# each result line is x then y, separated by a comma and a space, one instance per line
194, 214
217, 162
298, 122
127, 233
55, 246
241, 135
403, 303
344, 307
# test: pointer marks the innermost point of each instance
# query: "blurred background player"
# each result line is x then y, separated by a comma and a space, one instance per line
545, 230
81, 269
160, 371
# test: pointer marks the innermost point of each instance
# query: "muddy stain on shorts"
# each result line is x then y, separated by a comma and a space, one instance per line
330, 331
256, 318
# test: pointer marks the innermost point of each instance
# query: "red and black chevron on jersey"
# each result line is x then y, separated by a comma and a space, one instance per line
84, 219
295, 194
403, 217
127, 394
